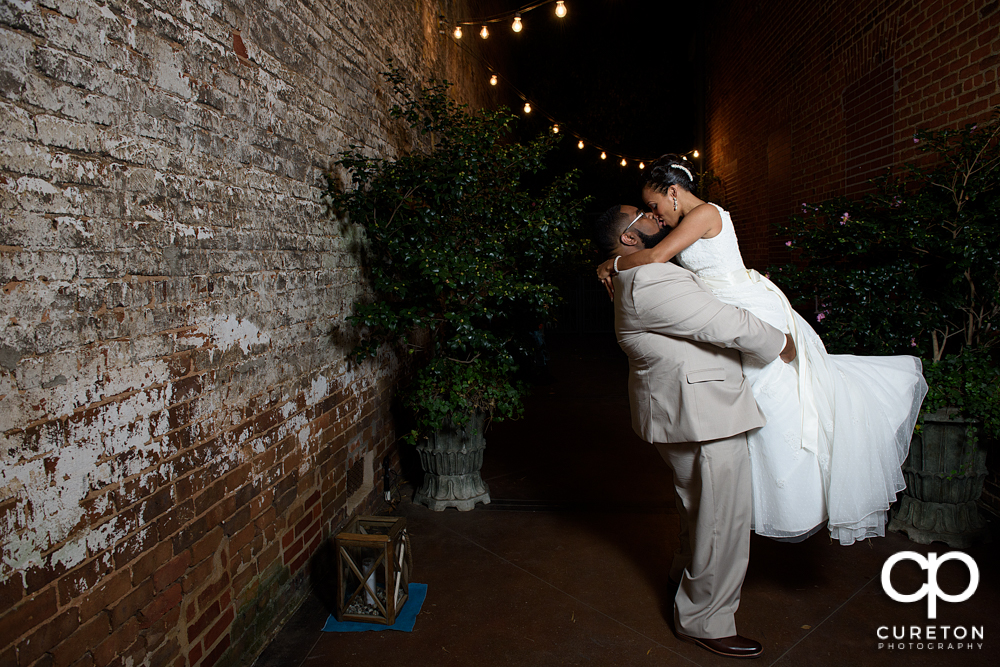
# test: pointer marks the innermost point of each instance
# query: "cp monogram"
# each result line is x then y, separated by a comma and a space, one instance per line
930, 590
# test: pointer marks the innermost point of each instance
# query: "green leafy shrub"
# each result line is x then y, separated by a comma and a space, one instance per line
463, 242
914, 267
968, 382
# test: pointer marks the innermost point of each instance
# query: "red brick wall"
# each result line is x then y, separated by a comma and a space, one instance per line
868, 118
807, 100
177, 419
825, 76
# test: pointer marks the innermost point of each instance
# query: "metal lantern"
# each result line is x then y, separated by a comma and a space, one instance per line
373, 569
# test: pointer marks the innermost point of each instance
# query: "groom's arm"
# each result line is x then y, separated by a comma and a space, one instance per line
673, 303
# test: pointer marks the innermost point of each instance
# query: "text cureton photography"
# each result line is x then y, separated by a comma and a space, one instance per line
931, 637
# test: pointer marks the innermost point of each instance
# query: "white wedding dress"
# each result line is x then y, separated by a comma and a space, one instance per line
838, 426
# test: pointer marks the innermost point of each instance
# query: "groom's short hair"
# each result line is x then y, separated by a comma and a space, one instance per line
608, 228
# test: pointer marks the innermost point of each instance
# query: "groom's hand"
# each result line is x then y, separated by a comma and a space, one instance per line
788, 354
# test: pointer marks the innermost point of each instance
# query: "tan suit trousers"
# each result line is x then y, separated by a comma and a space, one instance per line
712, 480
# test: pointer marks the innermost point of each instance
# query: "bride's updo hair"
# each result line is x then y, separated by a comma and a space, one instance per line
667, 170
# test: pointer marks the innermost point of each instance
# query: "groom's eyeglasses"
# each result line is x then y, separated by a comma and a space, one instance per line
642, 213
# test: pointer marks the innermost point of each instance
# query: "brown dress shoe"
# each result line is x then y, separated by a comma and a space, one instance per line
731, 647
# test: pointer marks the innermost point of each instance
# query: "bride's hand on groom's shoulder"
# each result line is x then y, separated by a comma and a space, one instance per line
606, 270
604, 273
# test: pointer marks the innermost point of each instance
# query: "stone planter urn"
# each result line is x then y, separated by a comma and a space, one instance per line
451, 459
944, 472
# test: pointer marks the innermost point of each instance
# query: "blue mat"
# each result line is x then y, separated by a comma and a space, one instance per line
405, 619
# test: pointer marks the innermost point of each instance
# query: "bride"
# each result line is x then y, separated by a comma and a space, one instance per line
838, 426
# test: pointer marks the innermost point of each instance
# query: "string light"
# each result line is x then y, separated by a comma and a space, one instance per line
517, 25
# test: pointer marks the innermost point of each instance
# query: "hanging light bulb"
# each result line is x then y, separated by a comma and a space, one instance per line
579, 144
624, 163
560, 8
527, 107
493, 80
484, 33
458, 32
604, 156
642, 165
516, 26
555, 128
695, 154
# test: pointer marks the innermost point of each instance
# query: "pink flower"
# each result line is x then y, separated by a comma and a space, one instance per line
913, 342
915, 140
844, 218
788, 243
820, 317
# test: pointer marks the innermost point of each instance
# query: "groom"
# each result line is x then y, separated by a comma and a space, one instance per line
689, 399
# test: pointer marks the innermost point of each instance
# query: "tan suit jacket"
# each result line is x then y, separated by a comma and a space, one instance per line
686, 379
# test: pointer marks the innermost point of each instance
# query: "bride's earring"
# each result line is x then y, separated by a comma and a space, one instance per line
675, 203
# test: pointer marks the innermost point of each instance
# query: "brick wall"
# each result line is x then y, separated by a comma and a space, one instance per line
808, 100
845, 84
177, 420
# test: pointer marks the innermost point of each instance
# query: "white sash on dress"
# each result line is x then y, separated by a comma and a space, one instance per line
810, 413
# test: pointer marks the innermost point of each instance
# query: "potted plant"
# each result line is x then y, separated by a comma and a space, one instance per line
946, 468
462, 238
913, 269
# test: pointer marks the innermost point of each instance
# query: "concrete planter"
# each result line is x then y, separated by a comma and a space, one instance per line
944, 474
452, 459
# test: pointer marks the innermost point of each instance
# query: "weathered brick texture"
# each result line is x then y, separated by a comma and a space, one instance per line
809, 100
839, 87
176, 418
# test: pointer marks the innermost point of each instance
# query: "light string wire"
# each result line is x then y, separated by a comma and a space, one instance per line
617, 155
497, 18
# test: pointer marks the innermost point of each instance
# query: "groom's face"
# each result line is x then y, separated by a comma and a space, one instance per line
649, 240
647, 228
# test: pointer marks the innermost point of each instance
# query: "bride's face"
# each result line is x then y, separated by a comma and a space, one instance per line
661, 206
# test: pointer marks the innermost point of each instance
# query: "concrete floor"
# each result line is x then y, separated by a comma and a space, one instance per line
568, 564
